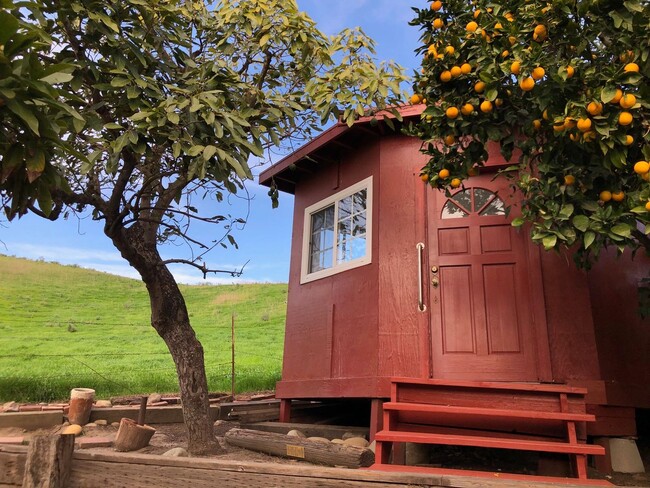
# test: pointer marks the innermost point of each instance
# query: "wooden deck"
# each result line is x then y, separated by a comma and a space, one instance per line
113, 470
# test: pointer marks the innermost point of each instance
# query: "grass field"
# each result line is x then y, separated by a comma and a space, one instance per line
63, 327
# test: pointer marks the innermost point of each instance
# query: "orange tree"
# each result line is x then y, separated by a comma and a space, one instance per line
561, 84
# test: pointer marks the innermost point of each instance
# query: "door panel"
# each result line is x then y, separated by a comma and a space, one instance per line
481, 320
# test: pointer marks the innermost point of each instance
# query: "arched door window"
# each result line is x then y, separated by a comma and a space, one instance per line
473, 201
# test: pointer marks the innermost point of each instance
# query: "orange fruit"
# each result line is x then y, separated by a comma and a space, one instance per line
540, 30
618, 196
584, 124
443, 174
438, 24
509, 17
452, 112
455, 183
589, 136
415, 99
498, 102
605, 195
574, 137
629, 140
646, 176
479, 87
466, 68
450, 140
486, 106
445, 76
424, 177
476, 13
455, 71
432, 50
558, 126
467, 109
617, 97
498, 26
537, 124
527, 84
538, 73
595, 108
570, 122
515, 67
569, 180
545, 114
450, 50
472, 26
631, 68
627, 101
641, 167
647, 206
437, 5
625, 118
505, 54
570, 71
512, 40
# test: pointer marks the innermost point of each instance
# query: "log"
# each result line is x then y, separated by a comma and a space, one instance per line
298, 448
49, 460
131, 436
310, 430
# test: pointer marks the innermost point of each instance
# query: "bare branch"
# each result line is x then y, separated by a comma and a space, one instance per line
204, 269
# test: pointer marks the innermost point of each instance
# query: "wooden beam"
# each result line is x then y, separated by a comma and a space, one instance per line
299, 448
31, 420
49, 460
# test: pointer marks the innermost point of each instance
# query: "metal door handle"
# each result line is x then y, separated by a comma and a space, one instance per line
435, 282
421, 306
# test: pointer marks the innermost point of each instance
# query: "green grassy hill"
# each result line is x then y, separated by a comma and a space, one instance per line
63, 327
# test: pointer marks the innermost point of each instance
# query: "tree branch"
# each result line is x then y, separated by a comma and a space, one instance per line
204, 269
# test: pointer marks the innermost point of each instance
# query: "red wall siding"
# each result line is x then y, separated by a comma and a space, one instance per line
403, 336
623, 336
570, 323
331, 329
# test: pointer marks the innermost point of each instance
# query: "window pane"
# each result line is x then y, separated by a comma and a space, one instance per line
452, 211
496, 207
322, 239
358, 247
360, 201
345, 207
345, 229
464, 199
359, 224
481, 197
343, 251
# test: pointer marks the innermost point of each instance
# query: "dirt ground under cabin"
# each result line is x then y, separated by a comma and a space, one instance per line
173, 435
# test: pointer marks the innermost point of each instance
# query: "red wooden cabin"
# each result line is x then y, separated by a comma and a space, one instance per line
390, 278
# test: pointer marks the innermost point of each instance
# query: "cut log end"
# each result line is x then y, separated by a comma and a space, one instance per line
131, 436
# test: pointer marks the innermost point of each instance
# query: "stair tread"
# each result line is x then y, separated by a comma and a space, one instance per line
494, 385
492, 442
488, 412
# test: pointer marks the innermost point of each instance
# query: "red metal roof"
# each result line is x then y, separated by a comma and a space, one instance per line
286, 171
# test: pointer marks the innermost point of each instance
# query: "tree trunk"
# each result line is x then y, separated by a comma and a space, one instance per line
170, 319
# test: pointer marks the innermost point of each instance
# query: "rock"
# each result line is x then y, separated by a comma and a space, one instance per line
355, 441
91, 424
296, 433
347, 435
101, 422
11, 407
219, 423
115, 424
337, 441
72, 429
154, 398
103, 404
318, 439
176, 452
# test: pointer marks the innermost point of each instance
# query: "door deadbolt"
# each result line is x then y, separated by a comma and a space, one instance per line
434, 269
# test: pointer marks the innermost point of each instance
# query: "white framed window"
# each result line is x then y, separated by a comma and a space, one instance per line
337, 233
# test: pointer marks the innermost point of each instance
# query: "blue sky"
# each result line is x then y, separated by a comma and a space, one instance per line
265, 241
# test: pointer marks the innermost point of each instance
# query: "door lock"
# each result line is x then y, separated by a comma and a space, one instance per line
435, 282
434, 269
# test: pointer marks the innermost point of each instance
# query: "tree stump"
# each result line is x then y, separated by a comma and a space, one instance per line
49, 460
131, 436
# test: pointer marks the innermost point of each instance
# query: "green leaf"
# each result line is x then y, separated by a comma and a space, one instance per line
608, 93
119, 82
589, 238
581, 222
567, 210
622, 229
517, 222
8, 26
35, 165
24, 113
59, 77
549, 242
208, 152
264, 39
112, 125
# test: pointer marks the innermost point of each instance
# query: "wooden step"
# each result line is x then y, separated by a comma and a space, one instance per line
494, 385
488, 412
491, 442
